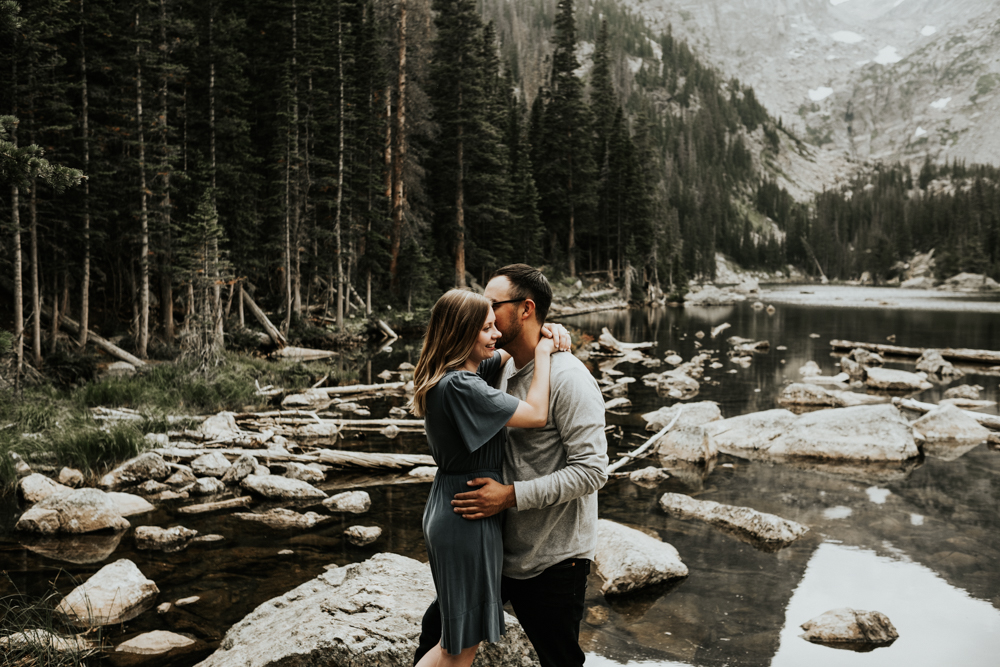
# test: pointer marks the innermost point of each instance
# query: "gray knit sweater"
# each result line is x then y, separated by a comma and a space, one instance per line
556, 470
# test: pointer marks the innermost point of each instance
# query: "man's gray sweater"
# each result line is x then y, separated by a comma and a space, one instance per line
556, 470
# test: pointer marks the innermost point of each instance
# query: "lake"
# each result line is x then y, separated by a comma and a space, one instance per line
921, 546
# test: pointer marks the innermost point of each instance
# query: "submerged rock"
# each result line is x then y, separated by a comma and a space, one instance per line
281, 488
80, 549
117, 593
163, 539
284, 519
767, 532
692, 414
675, 384
139, 469
628, 559
850, 629
365, 615
808, 394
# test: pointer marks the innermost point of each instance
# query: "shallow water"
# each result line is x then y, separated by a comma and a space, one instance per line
919, 543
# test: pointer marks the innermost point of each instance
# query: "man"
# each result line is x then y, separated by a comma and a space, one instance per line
553, 475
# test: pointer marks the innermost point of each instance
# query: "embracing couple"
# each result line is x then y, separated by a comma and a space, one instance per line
513, 424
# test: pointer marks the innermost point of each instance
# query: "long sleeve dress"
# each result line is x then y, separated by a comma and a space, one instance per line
465, 423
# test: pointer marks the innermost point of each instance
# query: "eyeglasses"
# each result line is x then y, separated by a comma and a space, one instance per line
496, 304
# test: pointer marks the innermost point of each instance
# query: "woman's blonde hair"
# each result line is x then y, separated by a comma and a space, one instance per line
456, 320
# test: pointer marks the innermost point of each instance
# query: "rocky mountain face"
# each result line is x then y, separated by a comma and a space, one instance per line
878, 79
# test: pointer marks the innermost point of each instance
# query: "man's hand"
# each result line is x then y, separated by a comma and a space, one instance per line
490, 498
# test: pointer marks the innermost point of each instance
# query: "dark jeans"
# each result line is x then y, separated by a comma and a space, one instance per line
549, 607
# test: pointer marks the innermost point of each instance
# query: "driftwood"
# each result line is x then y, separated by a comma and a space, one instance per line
242, 501
302, 353
184, 453
271, 330
365, 460
362, 388
74, 327
387, 330
610, 342
959, 354
989, 421
646, 445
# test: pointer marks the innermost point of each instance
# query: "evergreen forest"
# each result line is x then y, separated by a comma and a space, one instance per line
163, 161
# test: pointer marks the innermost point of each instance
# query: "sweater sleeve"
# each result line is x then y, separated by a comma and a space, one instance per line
577, 410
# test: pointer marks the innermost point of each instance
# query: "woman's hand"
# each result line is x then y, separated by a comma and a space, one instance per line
545, 347
559, 335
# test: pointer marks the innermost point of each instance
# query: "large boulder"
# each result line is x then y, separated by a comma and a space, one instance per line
281, 488
117, 593
690, 444
807, 394
284, 519
749, 433
145, 466
78, 511
365, 615
129, 504
850, 629
970, 282
692, 414
36, 487
889, 379
932, 363
861, 433
924, 282
949, 423
767, 532
628, 559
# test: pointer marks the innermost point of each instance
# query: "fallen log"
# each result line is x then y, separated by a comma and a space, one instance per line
989, 421
646, 445
303, 354
387, 330
610, 342
960, 354
242, 501
362, 388
234, 453
365, 460
74, 327
271, 330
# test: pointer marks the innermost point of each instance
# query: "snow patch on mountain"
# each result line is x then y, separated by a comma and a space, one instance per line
847, 37
821, 93
888, 55
928, 30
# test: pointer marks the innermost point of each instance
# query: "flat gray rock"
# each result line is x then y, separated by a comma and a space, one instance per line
692, 414
629, 560
767, 532
280, 488
284, 519
302, 472
157, 642
163, 539
754, 432
862, 433
890, 379
949, 423
364, 615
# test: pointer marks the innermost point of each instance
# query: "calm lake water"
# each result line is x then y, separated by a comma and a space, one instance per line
920, 544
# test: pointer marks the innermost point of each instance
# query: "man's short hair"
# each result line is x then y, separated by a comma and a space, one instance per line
527, 282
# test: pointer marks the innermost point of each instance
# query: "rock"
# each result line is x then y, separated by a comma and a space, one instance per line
767, 532
390, 431
310, 399
967, 391
21, 469
424, 472
749, 433
207, 486
220, 427
183, 477
628, 559
80, 549
362, 535
801, 393
888, 379
150, 487
238, 471
932, 363
851, 367
866, 358
675, 384
282, 488
145, 466
294, 470
620, 404
119, 369
355, 502
365, 615
157, 642
163, 539
261, 471
284, 519
212, 464
128, 504
690, 444
674, 359
649, 477
710, 295
970, 282
949, 423
399, 413
46, 643
748, 286
71, 477
860, 433
692, 414
157, 440
117, 593
924, 282
37, 487
851, 629
78, 511
810, 368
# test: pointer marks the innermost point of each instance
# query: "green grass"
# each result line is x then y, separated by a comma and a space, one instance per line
22, 613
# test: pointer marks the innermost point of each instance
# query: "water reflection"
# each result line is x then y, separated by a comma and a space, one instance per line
937, 623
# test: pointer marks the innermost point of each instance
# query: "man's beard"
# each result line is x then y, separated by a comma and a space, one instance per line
510, 335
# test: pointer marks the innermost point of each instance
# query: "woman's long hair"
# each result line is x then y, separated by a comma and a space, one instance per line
454, 326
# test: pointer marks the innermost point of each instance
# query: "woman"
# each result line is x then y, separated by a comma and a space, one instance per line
464, 417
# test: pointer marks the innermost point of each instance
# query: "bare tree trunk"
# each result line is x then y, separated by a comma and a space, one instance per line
239, 304
340, 171
166, 279
460, 209
36, 299
213, 259
296, 194
399, 154
143, 210
18, 283
84, 122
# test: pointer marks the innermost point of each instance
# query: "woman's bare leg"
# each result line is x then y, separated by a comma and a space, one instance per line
438, 657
